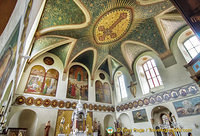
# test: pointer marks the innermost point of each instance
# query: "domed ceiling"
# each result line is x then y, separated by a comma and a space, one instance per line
105, 34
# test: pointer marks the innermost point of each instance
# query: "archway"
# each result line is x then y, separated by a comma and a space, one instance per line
24, 119
124, 120
108, 122
162, 118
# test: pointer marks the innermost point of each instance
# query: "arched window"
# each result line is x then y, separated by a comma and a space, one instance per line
187, 42
120, 86
192, 46
152, 74
148, 74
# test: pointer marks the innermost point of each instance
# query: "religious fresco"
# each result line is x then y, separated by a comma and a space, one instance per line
44, 42
104, 29
41, 82
103, 93
36, 78
64, 121
77, 83
188, 107
51, 82
7, 57
140, 116
109, 29
61, 13
107, 93
99, 91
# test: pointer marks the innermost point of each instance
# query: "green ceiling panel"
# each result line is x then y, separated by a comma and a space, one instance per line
43, 43
104, 66
87, 59
61, 12
61, 52
115, 65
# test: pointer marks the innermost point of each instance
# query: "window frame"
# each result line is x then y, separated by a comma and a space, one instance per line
193, 47
122, 86
150, 73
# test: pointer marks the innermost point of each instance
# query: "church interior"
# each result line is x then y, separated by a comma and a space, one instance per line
99, 68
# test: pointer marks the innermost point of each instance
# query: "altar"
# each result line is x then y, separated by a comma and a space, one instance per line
75, 123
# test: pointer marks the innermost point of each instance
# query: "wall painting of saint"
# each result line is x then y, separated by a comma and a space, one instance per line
7, 58
78, 83
41, 82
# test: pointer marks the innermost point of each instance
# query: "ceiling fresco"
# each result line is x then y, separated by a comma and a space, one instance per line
60, 12
100, 28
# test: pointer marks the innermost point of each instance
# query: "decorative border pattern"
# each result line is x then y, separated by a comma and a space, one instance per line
30, 101
165, 96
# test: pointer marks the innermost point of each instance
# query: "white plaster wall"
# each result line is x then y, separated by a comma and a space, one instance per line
99, 116
43, 116
24, 119
125, 120
108, 122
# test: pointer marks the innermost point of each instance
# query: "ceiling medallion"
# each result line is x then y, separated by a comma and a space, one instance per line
113, 25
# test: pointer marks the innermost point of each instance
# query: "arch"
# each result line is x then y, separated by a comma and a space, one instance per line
163, 118
178, 40
78, 82
82, 52
124, 120
125, 54
24, 119
127, 78
51, 82
140, 74
108, 121
35, 80
99, 91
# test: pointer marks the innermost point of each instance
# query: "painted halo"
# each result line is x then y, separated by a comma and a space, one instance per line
140, 102
99, 107
104, 108
74, 105
29, 101
118, 108
85, 106
46, 103
68, 104
38, 102
54, 103
95, 107
61, 104
126, 106
20, 100
90, 107
130, 105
